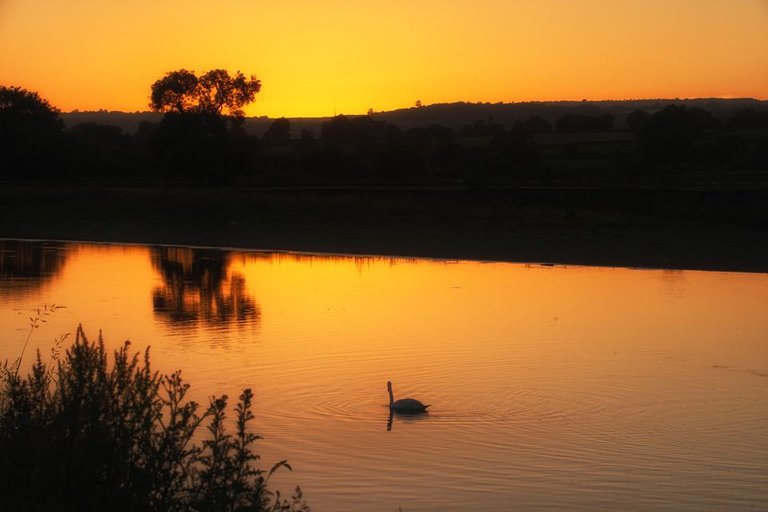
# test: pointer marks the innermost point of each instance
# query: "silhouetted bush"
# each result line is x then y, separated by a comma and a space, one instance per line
81, 434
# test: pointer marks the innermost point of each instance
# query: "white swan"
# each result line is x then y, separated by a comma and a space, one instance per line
405, 405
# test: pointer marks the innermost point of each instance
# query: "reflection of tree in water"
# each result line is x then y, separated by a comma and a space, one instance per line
674, 282
361, 263
196, 287
26, 266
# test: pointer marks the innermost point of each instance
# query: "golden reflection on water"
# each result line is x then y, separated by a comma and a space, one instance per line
590, 387
198, 288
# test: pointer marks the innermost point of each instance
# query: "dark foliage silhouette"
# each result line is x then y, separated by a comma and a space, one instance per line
669, 135
278, 132
100, 134
637, 120
517, 146
99, 151
336, 131
749, 119
31, 134
203, 138
201, 134
482, 128
202, 147
573, 123
215, 92
534, 125
83, 434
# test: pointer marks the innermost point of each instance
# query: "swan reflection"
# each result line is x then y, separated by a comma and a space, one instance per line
404, 418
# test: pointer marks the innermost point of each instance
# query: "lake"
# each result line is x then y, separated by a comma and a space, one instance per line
551, 387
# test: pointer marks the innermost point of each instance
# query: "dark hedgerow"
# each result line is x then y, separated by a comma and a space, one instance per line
80, 434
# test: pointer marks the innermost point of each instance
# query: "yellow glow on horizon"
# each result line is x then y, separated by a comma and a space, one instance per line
340, 56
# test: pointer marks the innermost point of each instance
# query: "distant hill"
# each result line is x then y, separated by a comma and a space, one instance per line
127, 121
455, 115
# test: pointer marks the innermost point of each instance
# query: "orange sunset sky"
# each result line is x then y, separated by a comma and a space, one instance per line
317, 58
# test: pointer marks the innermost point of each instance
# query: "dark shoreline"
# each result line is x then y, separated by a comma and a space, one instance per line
692, 230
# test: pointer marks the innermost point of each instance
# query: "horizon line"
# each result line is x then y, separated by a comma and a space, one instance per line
413, 107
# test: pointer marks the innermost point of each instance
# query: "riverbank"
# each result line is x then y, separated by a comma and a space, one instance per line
671, 229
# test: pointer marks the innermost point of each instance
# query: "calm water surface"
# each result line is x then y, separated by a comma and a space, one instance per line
552, 388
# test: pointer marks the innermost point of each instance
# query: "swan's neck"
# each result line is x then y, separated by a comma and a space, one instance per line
391, 396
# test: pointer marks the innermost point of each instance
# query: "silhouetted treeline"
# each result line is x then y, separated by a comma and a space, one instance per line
456, 115
196, 145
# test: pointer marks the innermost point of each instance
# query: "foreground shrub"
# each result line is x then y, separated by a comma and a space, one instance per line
80, 434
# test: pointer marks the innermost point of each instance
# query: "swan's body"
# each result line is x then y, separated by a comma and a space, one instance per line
405, 405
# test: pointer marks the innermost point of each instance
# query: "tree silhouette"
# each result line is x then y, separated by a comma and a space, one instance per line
201, 134
279, 131
30, 133
336, 131
669, 134
175, 92
214, 93
749, 119
638, 120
